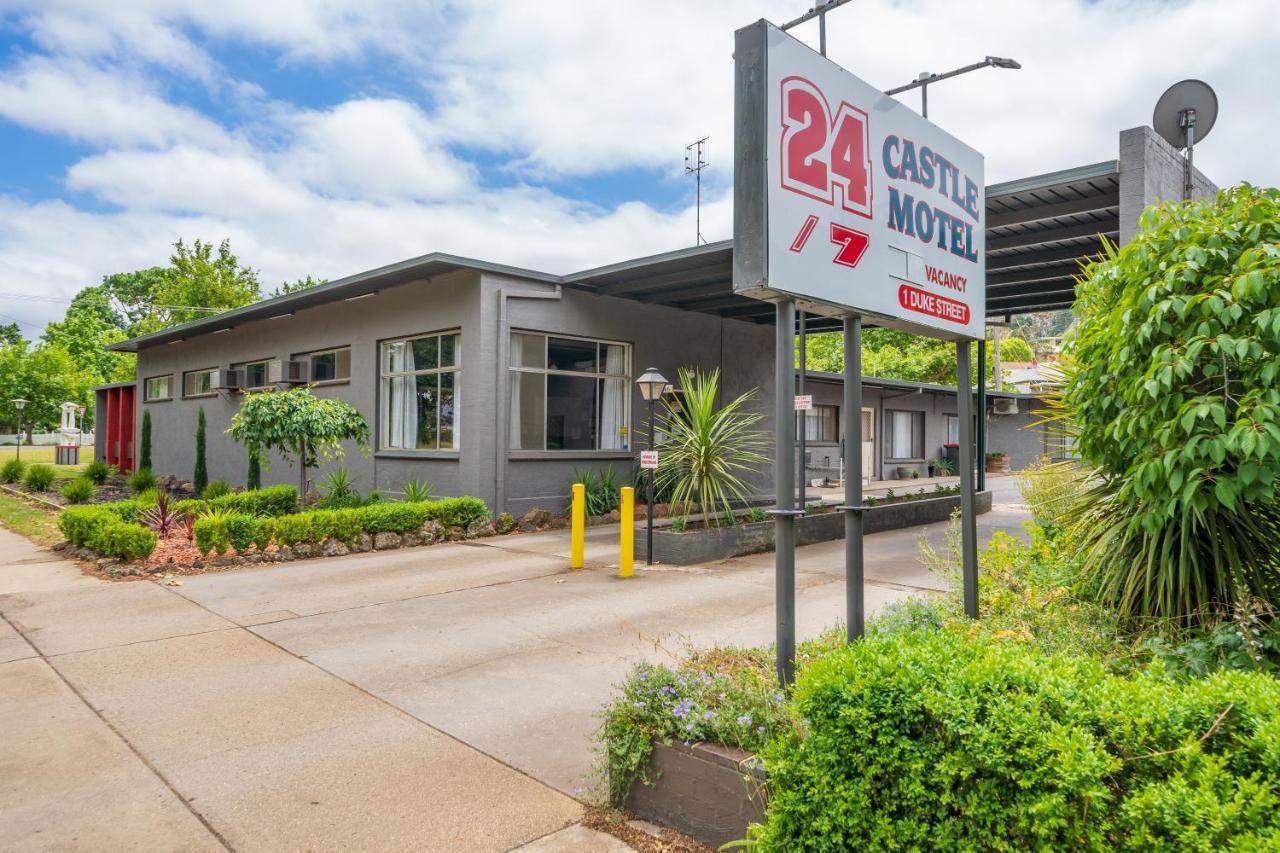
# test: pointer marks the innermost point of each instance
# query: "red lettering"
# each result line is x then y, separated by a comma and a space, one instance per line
933, 305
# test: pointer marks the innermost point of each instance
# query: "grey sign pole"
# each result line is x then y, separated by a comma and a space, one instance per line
784, 512
968, 527
855, 620
801, 444
981, 461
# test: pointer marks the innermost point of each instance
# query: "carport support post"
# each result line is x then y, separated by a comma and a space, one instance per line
968, 527
853, 566
784, 512
982, 413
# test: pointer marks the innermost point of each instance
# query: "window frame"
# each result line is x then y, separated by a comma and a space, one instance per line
212, 392
835, 423
918, 416
310, 355
597, 376
146, 384
384, 396
949, 419
244, 365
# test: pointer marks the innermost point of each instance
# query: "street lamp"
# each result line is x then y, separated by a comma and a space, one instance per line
80, 410
652, 386
19, 404
922, 82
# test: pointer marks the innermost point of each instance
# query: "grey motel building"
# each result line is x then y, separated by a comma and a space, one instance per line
500, 382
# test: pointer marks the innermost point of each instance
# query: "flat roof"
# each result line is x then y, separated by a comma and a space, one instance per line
910, 385
1039, 232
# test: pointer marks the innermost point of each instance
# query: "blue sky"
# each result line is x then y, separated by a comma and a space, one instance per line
324, 138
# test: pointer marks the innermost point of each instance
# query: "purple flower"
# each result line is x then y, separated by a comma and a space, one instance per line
682, 710
744, 720
668, 690
641, 705
708, 715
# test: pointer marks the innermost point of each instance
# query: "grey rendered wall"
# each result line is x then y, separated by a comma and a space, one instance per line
1150, 173
661, 337
446, 302
1018, 435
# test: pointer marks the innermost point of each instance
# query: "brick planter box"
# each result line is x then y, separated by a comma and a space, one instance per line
706, 545
708, 791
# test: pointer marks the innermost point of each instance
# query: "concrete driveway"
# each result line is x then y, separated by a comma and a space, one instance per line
440, 698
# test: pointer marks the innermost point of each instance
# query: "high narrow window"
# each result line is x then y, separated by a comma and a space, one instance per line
822, 424
419, 390
569, 393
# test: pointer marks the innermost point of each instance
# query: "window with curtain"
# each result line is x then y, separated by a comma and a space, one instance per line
158, 388
906, 434
327, 365
569, 393
953, 429
419, 379
198, 383
821, 423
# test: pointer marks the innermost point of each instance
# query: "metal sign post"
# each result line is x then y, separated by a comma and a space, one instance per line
853, 566
968, 525
784, 512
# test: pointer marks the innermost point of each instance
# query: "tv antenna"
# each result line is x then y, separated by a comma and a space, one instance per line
694, 163
1184, 115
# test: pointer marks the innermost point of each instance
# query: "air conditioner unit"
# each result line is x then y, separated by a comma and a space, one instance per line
228, 380
295, 372
275, 372
1004, 406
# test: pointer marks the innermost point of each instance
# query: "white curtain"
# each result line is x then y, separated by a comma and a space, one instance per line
513, 379
402, 398
902, 438
613, 399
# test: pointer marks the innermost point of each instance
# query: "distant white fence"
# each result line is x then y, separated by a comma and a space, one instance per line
45, 439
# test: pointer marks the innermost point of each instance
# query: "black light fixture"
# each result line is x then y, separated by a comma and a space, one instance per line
652, 386
19, 404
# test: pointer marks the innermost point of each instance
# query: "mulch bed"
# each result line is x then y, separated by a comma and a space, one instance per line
616, 823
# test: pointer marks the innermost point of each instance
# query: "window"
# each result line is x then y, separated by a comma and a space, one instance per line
906, 435
257, 374
953, 429
328, 365
419, 381
198, 383
158, 388
569, 393
822, 424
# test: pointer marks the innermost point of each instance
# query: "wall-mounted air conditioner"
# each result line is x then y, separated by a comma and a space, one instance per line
295, 372
228, 380
275, 372
1004, 406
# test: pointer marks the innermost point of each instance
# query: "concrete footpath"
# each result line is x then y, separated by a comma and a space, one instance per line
439, 698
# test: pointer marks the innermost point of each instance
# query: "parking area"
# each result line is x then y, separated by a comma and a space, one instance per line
430, 698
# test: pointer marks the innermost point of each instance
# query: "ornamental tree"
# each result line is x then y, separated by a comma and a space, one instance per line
299, 426
1171, 393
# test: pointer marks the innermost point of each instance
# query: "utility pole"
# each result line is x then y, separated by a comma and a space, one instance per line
694, 162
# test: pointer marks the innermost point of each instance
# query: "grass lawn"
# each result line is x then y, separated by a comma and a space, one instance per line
47, 455
38, 525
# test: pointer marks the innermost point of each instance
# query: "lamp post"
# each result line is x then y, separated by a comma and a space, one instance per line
922, 82
652, 386
19, 404
80, 410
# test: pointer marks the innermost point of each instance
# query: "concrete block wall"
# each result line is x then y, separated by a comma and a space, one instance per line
1151, 172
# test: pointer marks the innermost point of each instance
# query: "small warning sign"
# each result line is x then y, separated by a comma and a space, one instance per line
648, 459
804, 402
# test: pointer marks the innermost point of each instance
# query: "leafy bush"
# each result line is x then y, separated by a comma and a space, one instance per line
400, 517
39, 477
939, 739
211, 532
162, 517
142, 480
12, 471
77, 491
457, 512
601, 492
200, 475
216, 489
1172, 390
268, 502
394, 517
248, 530
418, 491
339, 486
97, 472
80, 524
291, 529
124, 540
144, 443
191, 506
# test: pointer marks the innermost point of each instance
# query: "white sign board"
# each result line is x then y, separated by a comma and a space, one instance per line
648, 459
846, 199
804, 402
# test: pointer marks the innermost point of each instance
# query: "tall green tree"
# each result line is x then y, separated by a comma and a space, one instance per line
294, 286
200, 278
200, 477
47, 376
144, 452
893, 354
88, 327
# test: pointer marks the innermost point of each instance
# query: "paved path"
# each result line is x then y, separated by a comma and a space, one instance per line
439, 698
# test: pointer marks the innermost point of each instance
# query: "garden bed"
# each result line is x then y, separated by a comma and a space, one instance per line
702, 544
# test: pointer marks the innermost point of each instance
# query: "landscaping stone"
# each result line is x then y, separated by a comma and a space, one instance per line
107, 563
386, 540
334, 548
410, 540
430, 531
284, 553
506, 523
479, 528
303, 550
361, 543
536, 517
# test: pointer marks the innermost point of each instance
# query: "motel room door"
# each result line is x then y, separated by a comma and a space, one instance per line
868, 445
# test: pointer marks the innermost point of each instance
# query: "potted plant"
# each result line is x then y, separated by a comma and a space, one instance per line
997, 462
931, 465
944, 467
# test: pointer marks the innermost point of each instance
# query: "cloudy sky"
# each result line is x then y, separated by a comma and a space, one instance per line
327, 137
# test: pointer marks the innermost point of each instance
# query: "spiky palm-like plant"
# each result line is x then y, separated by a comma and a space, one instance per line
706, 450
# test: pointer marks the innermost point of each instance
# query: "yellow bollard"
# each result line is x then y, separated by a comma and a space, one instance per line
627, 534
578, 527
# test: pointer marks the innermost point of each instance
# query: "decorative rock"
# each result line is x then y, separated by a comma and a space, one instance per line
362, 542
615, 515
537, 517
410, 540
505, 523
479, 528
284, 553
303, 550
334, 548
61, 546
455, 534
430, 531
107, 563
386, 540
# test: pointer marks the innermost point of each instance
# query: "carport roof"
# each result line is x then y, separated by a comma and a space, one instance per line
1039, 231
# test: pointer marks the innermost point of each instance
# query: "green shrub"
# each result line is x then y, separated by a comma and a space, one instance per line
191, 506
12, 471
216, 489
80, 524
346, 524
457, 512
200, 475
253, 477
124, 540
142, 480
269, 502
418, 491
941, 739
395, 517
97, 472
144, 443
601, 492
77, 491
244, 531
291, 529
211, 532
39, 477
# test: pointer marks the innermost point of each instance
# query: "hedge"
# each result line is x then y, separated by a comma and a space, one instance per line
124, 540
80, 524
942, 740
268, 502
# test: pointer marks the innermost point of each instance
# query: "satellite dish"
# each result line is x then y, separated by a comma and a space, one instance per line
1192, 99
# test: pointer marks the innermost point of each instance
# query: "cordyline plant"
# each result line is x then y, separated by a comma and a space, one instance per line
705, 450
1171, 394
299, 426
